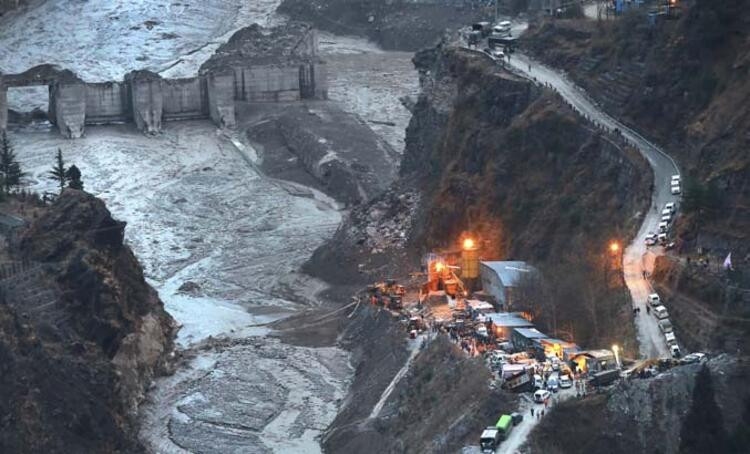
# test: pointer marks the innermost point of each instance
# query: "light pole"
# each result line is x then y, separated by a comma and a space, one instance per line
616, 351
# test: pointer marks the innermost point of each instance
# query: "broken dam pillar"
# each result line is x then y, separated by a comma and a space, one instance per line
3, 105
221, 99
146, 93
67, 107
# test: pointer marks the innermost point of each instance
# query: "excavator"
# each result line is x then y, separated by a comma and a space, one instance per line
388, 294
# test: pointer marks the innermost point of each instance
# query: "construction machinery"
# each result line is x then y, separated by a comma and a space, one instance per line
388, 294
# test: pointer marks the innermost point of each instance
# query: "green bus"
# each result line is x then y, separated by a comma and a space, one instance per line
505, 426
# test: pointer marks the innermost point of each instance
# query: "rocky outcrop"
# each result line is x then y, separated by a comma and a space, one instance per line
688, 409
79, 307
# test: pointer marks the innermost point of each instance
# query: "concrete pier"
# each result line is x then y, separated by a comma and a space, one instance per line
221, 99
68, 108
147, 98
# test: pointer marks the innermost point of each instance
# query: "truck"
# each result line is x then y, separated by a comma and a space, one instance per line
604, 377
504, 426
489, 440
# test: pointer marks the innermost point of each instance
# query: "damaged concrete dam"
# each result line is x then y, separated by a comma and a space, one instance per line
283, 66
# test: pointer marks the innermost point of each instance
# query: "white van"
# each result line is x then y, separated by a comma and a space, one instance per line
675, 190
666, 218
675, 178
660, 312
669, 337
662, 238
654, 300
670, 206
674, 183
663, 226
666, 212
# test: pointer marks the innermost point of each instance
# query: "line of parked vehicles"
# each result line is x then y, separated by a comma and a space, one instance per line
668, 214
675, 185
665, 326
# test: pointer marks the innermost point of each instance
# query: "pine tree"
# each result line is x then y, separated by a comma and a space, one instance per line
59, 171
10, 169
74, 178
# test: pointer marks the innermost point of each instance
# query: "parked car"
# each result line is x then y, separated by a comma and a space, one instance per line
666, 218
654, 300
553, 385
538, 381
517, 418
663, 227
693, 358
676, 177
675, 190
541, 395
662, 238
665, 326
498, 54
674, 183
674, 350
660, 312
565, 382
670, 206
651, 239
670, 338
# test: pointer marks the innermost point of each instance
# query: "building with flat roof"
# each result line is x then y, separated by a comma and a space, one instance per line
522, 338
502, 324
499, 278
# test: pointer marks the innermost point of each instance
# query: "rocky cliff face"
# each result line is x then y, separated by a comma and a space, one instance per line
688, 409
502, 158
83, 333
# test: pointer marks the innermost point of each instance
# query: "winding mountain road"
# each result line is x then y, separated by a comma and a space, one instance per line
637, 257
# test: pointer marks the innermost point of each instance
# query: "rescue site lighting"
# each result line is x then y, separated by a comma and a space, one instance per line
468, 244
616, 351
614, 247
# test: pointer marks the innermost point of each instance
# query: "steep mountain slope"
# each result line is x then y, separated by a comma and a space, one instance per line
685, 82
82, 333
490, 153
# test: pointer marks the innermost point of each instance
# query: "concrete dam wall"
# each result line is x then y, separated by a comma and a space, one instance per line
147, 100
